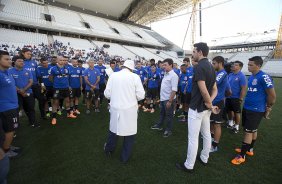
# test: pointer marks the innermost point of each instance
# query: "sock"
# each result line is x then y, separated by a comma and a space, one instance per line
177, 106
54, 115
245, 147
214, 144
237, 127
71, 108
230, 122
252, 146
68, 110
75, 107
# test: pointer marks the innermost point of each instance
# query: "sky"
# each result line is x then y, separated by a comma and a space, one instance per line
223, 20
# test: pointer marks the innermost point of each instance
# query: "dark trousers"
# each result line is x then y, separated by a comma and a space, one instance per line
36, 90
28, 104
128, 142
4, 169
166, 114
102, 88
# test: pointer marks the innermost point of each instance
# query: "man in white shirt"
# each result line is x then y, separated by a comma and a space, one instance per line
168, 91
124, 89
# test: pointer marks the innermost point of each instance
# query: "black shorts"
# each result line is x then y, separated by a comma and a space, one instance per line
90, 94
61, 93
10, 120
218, 118
75, 93
185, 98
152, 93
251, 120
233, 104
49, 93
102, 88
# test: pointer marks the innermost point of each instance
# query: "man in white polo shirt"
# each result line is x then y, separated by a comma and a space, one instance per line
168, 91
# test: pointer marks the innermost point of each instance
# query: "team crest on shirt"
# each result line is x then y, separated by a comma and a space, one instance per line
26, 74
32, 64
254, 82
236, 79
141, 72
66, 70
102, 70
78, 71
185, 78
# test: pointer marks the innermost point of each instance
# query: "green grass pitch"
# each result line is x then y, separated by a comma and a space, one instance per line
72, 152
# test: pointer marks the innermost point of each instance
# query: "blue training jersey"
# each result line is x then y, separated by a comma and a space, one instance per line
153, 79
183, 82
92, 75
236, 81
60, 77
21, 78
221, 83
102, 70
44, 74
8, 92
141, 72
256, 97
74, 77
32, 66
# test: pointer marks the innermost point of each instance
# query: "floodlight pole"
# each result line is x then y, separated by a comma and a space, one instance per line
200, 18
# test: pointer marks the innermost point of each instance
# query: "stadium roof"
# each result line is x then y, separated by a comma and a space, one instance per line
138, 11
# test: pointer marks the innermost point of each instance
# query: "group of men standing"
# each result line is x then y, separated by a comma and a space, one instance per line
206, 93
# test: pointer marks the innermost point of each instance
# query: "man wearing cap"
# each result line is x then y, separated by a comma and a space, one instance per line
124, 89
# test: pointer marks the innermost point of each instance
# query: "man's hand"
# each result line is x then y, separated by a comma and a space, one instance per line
93, 87
168, 104
267, 113
215, 110
208, 105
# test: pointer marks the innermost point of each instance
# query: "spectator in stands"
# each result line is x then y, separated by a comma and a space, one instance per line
222, 84
259, 100
237, 81
124, 89
168, 96
31, 65
9, 104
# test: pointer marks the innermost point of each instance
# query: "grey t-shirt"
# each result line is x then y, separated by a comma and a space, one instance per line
204, 71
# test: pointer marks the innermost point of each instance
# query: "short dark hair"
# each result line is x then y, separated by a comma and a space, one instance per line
80, 61
15, 58
169, 61
112, 62
74, 58
152, 60
257, 60
183, 65
186, 59
24, 50
3, 53
240, 63
219, 60
153, 65
43, 59
201, 46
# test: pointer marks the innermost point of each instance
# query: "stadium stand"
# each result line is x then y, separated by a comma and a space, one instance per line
143, 53
273, 68
20, 11
17, 39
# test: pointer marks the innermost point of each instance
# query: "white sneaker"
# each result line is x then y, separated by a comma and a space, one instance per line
11, 154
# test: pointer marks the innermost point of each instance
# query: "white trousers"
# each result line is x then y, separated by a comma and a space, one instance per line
198, 122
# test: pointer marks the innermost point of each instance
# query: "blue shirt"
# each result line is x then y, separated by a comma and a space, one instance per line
177, 71
8, 92
60, 77
83, 81
190, 70
141, 72
183, 81
256, 97
92, 77
102, 73
221, 83
75, 74
22, 78
236, 81
31, 65
117, 69
190, 81
44, 74
153, 79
